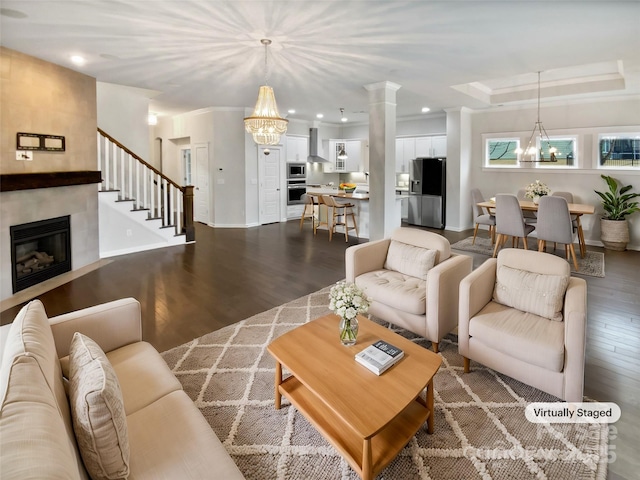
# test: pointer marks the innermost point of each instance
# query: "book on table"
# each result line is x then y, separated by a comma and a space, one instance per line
379, 356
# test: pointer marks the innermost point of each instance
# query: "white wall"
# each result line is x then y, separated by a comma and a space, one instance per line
585, 118
123, 113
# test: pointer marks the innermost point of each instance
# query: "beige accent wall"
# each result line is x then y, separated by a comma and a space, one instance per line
41, 97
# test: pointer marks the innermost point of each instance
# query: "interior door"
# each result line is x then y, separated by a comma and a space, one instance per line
201, 192
270, 194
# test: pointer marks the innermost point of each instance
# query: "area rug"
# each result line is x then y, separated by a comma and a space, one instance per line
592, 264
480, 427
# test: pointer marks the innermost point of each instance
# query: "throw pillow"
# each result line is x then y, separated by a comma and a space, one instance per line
530, 292
97, 410
410, 260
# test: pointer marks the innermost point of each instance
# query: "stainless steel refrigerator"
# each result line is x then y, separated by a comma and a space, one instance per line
427, 192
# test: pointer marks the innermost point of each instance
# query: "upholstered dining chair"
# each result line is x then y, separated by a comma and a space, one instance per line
523, 315
341, 213
412, 279
575, 219
510, 222
529, 216
555, 225
480, 217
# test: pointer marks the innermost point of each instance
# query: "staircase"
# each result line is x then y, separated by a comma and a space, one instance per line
140, 207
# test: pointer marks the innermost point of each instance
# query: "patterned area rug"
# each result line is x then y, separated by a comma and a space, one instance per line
480, 428
592, 264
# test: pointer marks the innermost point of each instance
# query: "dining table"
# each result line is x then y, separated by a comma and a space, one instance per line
575, 209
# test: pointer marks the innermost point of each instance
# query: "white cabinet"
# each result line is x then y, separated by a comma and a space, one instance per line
297, 149
356, 156
433, 146
405, 152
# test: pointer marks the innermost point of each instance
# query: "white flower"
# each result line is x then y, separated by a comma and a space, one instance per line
347, 300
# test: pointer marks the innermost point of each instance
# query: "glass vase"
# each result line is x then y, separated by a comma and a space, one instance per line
348, 331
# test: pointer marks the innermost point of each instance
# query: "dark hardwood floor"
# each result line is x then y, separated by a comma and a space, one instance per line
231, 274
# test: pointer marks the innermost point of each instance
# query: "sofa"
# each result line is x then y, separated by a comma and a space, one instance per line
155, 429
524, 316
412, 280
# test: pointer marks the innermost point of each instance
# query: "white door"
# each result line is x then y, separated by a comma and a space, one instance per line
270, 194
201, 192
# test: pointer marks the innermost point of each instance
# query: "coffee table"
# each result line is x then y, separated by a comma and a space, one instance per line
366, 417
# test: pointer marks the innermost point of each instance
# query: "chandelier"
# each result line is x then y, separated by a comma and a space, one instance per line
531, 149
265, 123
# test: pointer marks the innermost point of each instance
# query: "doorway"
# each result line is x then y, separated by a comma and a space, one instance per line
270, 193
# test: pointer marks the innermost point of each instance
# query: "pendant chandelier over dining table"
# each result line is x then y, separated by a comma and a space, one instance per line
533, 150
265, 123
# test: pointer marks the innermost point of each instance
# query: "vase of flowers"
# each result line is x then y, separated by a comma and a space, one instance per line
536, 190
347, 300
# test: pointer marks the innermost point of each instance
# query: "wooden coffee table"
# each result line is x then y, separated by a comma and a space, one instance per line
366, 417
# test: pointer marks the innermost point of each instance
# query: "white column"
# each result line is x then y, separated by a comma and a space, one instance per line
383, 215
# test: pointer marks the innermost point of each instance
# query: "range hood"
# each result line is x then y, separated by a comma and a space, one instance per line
313, 148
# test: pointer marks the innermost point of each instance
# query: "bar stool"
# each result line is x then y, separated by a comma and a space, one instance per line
309, 210
340, 210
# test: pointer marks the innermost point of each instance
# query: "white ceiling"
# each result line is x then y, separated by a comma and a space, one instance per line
201, 53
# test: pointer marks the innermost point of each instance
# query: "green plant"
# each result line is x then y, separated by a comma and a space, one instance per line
617, 202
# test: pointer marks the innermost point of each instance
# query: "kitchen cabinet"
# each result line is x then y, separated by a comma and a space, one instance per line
297, 149
405, 152
431, 146
357, 156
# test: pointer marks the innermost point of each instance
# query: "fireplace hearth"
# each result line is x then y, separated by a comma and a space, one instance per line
39, 251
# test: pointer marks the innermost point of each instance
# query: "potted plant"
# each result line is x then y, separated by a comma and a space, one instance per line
536, 190
617, 204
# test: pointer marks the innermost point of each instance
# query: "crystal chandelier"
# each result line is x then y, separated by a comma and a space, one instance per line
265, 123
531, 149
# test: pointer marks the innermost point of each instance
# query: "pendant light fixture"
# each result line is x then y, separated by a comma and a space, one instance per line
531, 149
265, 123
342, 153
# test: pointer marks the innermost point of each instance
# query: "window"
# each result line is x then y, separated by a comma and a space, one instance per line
565, 149
501, 152
621, 151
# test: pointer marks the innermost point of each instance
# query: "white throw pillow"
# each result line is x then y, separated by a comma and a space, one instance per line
97, 409
410, 260
530, 292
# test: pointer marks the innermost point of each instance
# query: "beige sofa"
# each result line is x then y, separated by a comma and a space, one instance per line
523, 315
412, 279
167, 435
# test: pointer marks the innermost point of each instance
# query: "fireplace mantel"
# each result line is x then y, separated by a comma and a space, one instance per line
28, 181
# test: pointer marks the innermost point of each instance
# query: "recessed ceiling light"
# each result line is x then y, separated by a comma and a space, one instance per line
77, 60
425, 109
291, 110
319, 115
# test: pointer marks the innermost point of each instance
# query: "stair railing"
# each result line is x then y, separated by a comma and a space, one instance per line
145, 186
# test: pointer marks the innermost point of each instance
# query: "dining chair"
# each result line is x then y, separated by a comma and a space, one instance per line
529, 216
342, 211
309, 210
575, 219
480, 217
510, 222
555, 225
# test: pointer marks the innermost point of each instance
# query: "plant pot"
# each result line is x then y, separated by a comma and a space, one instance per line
536, 199
614, 234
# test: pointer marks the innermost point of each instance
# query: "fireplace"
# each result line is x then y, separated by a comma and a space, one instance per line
39, 251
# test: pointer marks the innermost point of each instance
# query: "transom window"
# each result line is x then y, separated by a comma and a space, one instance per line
619, 151
501, 152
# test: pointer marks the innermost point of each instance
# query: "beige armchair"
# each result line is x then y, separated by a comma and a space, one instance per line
522, 315
412, 279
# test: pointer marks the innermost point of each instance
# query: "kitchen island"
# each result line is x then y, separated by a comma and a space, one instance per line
361, 207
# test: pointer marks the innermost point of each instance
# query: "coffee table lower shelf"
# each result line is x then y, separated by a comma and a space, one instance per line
382, 447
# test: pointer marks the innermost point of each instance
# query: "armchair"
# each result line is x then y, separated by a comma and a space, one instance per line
412, 279
524, 316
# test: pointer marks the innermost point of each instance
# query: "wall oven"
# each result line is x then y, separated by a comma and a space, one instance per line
296, 170
295, 190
